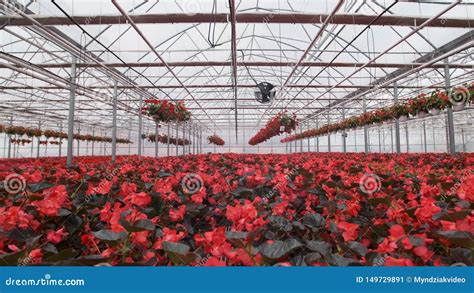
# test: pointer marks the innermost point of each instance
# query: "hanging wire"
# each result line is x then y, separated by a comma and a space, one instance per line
211, 33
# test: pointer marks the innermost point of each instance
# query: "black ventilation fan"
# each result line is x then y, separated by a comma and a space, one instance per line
265, 93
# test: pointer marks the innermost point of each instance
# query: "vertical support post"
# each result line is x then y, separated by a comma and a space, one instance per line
366, 130
329, 134
10, 140
397, 122
72, 99
177, 126
380, 142
447, 133
140, 126
301, 140
156, 140
78, 141
93, 142
317, 137
433, 134
39, 138
463, 140
309, 139
129, 137
60, 139
168, 141
391, 138
344, 134
450, 118
407, 139
184, 139
425, 147
114, 123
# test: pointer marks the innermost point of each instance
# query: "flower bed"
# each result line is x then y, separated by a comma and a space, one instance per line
281, 123
217, 140
300, 209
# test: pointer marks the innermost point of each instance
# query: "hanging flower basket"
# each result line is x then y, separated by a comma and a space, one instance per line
403, 118
422, 114
281, 123
166, 111
217, 140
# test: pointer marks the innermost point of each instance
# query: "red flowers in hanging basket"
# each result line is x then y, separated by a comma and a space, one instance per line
438, 100
281, 123
166, 111
215, 139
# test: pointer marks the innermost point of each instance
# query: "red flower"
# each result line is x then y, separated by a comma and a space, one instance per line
53, 201
396, 232
104, 187
349, 230
56, 236
214, 262
399, 262
141, 199
177, 215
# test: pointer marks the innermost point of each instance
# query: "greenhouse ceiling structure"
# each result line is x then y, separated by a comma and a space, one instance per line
328, 61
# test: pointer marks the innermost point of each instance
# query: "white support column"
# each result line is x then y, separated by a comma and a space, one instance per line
10, 140
140, 126
329, 134
70, 126
184, 138
397, 122
177, 129
366, 130
39, 138
317, 137
344, 134
60, 140
407, 138
114, 123
450, 118
156, 140
425, 147
78, 141
168, 141
92, 143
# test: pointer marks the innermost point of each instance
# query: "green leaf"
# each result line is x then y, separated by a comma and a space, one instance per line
62, 255
340, 261
322, 247
313, 220
36, 187
178, 248
236, 238
109, 236
12, 259
357, 248
138, 226
179, 253
279, 249
280, 223
462, 238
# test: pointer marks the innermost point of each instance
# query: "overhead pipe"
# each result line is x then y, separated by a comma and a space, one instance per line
234, 63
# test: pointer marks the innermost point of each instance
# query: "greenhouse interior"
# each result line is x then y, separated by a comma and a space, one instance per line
237, 133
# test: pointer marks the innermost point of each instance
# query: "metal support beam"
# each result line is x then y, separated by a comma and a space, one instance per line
168, 141
450, 118
329, 134
425, 147
156, 140
140, 126
257, 18
10, 140
114, 123
366, 130
397, 121
70, 126
92, 146
177, 129
407, 138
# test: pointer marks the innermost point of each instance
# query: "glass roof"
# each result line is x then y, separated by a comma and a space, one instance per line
318, 69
